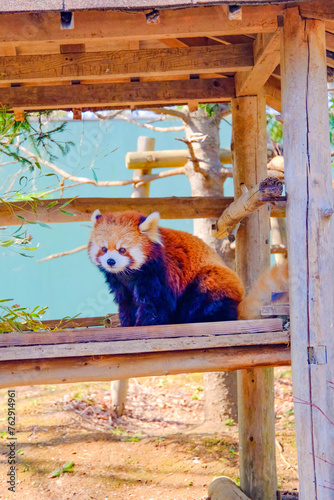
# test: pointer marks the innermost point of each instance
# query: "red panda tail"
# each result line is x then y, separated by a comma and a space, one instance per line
275, 279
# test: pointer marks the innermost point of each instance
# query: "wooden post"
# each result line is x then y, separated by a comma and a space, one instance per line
310, 228
143, 144
119, 388
255, 386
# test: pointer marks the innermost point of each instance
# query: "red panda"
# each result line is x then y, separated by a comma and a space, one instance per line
160, 275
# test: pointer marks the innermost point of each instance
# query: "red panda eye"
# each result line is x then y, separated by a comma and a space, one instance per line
122, 250
104, 249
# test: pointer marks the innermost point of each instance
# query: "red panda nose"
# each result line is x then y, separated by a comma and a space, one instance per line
111, 262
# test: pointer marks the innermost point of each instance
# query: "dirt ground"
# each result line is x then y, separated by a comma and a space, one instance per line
157, 451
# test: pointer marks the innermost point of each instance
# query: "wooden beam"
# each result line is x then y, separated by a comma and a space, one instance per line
256, 416
317, 9
126, 63
101, 368
115, 25
117, 95
82, 208
166, 159
267, 55
310, 227
272, 89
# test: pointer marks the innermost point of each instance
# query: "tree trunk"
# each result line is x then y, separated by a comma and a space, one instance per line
207, 179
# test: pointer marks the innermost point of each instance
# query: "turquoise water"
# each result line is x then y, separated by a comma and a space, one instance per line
71, 285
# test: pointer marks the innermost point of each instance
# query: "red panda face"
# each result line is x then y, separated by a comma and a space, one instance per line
119, 242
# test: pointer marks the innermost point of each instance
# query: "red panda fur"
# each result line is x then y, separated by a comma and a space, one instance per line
162, 274
275, 279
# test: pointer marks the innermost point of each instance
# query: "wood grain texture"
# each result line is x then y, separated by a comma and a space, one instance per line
141, 346
310, 229
267, 56
101, 334
166, 159
126, 63
115, 25
250, 201
255, 386
98, 368
82, 208
118, 95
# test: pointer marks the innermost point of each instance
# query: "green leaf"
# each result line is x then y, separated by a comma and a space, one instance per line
68, 201
25, 220
94, 175
66, 213
43, 224
52, 204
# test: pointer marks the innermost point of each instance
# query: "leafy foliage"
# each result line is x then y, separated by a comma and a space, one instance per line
275, 128
67, 467
16, 319
210, 108
41, 141
36, 134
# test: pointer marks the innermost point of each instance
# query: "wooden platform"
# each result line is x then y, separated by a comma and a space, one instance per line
114, 353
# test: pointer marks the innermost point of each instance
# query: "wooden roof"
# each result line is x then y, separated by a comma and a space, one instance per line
114, 59
71, 5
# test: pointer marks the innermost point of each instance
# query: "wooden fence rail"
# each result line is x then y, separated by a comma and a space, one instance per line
170, 208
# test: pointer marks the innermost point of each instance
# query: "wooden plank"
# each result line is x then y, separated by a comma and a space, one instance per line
118, 94
142, 332
114, 25
142, 346
166, 159
256, 416
128, 63
82, 208
267, 56
98, 368
310, 227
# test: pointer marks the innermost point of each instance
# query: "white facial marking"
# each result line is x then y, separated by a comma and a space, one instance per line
119, 244
138, 256
121, 261
92, 252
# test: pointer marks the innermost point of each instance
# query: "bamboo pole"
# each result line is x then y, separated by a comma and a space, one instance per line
255, 386
310, 227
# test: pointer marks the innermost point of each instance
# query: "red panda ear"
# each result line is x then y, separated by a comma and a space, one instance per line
96, 215
150, 227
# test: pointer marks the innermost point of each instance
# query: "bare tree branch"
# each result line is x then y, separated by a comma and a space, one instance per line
144, 125
171, 112
86, 180
193, 158
62, 254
